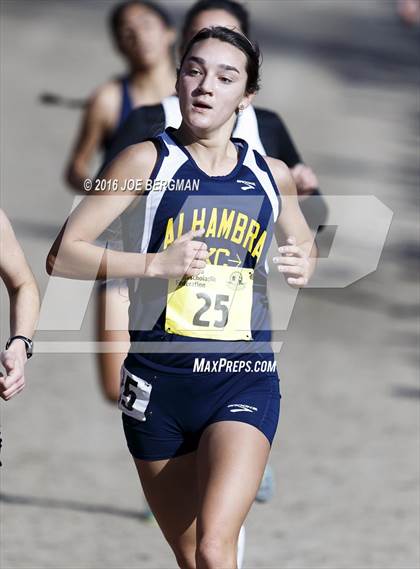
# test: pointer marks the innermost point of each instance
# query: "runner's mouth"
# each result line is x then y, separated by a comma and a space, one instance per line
201, 105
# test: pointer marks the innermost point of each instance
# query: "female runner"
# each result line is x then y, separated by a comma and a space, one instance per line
263, 129
200, 434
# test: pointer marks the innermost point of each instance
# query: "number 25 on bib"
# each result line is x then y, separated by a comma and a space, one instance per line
214, 305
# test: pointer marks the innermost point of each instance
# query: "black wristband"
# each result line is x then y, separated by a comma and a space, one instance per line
27, 341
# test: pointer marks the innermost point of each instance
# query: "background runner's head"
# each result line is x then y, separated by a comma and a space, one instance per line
143, 32
208, 13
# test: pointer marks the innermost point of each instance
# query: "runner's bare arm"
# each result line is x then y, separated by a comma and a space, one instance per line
73, 254
19, 281
98, 120
295, 239
24, 309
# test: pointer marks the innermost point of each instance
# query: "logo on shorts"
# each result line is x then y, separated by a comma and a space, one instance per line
241, 408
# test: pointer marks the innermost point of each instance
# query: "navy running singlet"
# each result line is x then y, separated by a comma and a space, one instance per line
126, 107
224, 310
126, 103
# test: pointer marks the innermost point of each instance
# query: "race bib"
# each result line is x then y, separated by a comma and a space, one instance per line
134, 395
215, 305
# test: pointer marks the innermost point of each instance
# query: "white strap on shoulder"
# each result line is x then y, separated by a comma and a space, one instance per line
247, 128
172, 112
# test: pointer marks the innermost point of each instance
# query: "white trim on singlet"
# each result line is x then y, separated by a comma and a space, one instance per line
264, 180
169, 167
247, 128
172, 112
266, 184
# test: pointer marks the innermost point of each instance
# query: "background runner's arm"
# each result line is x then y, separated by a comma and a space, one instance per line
276, 138
303, 176
278, 143
95, 125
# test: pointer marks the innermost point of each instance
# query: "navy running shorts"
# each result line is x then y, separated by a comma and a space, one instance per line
164, 415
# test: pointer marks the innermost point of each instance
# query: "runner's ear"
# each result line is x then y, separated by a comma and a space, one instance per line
247, 100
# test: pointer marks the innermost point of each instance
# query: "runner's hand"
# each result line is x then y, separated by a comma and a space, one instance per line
294, 264
14, 381
184, 256
304, 178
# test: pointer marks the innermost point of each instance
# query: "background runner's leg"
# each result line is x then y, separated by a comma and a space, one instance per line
111, 326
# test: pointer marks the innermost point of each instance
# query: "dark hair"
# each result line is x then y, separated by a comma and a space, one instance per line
252, 52
116, 14
233, 8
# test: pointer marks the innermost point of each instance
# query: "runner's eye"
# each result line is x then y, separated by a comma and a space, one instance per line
193, 72
226, 80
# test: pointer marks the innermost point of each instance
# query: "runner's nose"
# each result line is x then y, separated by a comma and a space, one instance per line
206, 86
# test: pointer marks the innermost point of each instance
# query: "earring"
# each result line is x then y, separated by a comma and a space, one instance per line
241, 109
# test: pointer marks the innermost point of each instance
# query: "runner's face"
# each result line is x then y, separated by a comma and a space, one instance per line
143, 37
212, 83
210, 18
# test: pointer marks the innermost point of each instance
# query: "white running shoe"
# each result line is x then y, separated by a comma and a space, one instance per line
241, 548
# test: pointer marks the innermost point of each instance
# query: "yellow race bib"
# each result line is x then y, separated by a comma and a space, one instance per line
215, 305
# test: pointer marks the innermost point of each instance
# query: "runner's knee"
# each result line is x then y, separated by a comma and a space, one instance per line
184, 554
216, 551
